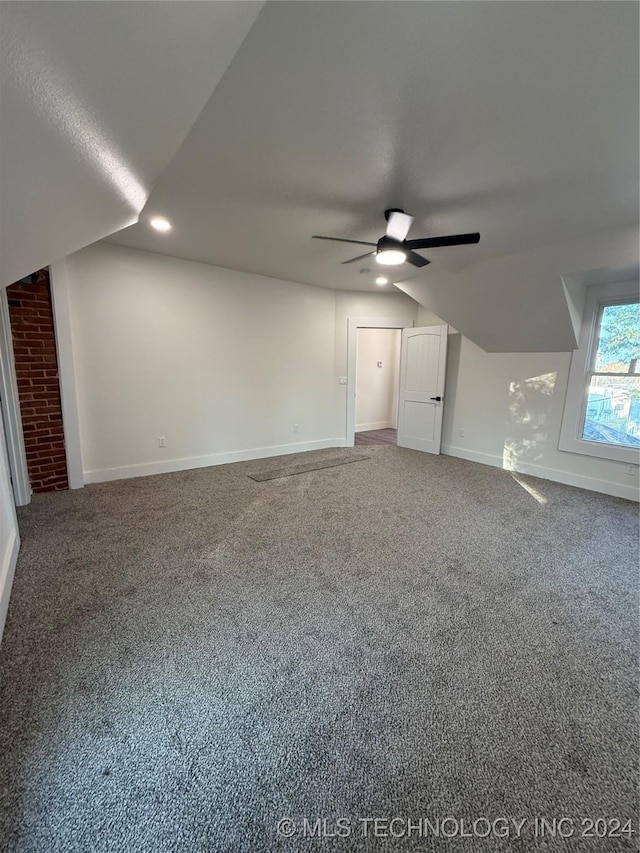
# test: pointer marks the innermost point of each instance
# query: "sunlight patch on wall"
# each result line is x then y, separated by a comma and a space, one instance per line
524, 396
529, 408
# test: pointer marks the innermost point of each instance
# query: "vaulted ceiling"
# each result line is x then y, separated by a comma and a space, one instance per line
518, 120
95, 100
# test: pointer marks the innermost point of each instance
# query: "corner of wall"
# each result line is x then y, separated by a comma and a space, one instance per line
574, 292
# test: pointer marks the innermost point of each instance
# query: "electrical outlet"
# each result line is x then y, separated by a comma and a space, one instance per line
296, 427
162, 441
343, 380
461, 432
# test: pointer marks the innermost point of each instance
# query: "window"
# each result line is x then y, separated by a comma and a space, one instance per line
612, 414
602, 408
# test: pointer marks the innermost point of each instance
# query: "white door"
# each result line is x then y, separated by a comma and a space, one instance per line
422, 365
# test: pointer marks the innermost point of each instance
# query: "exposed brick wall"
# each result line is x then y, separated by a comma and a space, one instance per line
34, 348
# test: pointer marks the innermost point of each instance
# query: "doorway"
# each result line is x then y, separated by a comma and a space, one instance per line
33, 335
10, 407
356, 324
377, 383
421, 383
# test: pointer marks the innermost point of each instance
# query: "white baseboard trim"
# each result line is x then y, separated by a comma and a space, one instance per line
471, 455
581, 481
169, 466
7, 572
380, 425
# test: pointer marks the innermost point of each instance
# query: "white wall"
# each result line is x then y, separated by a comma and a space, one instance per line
220, 363
393, 305
377, 386
223, 364
510, 408
9, 538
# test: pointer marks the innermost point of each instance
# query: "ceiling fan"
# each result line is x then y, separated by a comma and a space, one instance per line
393, 248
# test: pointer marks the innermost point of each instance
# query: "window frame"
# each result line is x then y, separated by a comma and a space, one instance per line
581, 370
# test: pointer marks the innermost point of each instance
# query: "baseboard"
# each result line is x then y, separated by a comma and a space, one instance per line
7, 572
581, 481
169, 466
471, 455
380, 425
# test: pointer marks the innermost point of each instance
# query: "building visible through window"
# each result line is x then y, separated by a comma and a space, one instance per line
612, 413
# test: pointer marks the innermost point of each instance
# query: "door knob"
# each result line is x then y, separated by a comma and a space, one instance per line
437, 399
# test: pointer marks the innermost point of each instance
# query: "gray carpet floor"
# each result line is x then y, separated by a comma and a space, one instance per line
305, 467
190, 658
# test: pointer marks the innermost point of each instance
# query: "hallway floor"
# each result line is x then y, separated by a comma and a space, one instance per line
377, 436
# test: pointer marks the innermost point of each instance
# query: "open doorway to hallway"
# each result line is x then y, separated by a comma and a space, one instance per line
377, 383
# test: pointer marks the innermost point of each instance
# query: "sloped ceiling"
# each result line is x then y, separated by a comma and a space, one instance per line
518, 120
95, 99
529, 301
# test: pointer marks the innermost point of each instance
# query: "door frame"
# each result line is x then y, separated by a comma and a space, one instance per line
59, 283
11, 414
355, 323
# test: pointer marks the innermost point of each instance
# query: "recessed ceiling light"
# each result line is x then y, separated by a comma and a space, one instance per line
160, 223
382, 279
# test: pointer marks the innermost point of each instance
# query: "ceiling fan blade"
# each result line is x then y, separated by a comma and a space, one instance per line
416, 259
359, 258
342, 240
435, 242
398, 225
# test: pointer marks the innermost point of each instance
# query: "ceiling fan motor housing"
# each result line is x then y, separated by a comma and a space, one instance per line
385, 243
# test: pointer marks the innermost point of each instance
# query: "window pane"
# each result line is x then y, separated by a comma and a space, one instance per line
619, 341
613, 411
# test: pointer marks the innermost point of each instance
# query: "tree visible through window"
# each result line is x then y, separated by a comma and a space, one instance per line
612, 413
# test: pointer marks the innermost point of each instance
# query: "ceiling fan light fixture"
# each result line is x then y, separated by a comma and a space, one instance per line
393, 249
391, 257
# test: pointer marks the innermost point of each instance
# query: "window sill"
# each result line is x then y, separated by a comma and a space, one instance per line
613, 453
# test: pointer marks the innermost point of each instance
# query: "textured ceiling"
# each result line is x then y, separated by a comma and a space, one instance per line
95, 99
252, 127
519, 120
